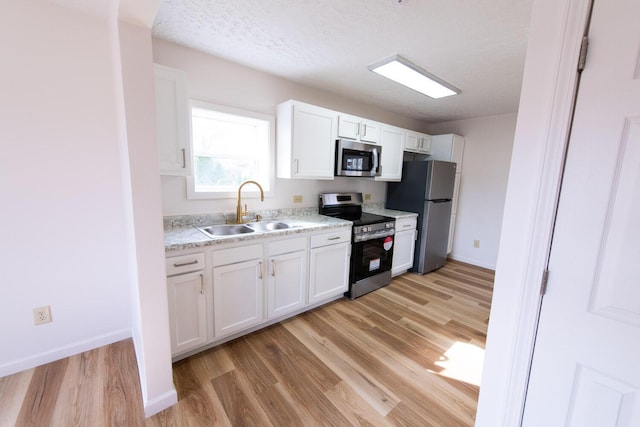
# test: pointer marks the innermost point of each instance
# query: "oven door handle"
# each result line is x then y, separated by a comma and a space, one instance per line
373, 236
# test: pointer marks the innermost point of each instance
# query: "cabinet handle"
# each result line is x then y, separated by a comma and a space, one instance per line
358, 130
260, 270
273, 268
334, 238
297, 165
407, 226
184, 158
184, 264
201, 284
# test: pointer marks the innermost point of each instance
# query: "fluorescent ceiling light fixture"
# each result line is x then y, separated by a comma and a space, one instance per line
410, 75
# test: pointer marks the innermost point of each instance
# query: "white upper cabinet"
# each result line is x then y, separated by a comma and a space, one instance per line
418, 142
172, 121
392, 141
448, 147
306, 141
359, 129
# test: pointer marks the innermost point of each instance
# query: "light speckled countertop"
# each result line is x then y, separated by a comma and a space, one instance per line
180, 232
388, 212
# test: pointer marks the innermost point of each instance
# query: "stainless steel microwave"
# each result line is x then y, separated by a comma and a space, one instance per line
357, 158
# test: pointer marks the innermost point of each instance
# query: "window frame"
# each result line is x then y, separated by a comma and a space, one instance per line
250, 190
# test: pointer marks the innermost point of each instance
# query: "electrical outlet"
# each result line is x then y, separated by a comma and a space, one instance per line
367, 196
297, 199
476, 243
42, 315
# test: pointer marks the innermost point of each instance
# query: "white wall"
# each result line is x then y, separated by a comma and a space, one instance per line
217, 81
62, 209
485, 169
151, 311
549, 80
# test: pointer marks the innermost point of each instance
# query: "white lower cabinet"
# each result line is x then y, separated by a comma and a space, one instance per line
244, 286
405, 244
287, 276
238, 275
329, 265
186, 291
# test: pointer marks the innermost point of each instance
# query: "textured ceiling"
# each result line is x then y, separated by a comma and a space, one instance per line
476, 45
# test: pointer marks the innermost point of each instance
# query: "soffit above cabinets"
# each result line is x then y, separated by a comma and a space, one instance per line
477, 46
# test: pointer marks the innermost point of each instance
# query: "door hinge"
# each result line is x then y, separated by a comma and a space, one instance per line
545, 280
584, 46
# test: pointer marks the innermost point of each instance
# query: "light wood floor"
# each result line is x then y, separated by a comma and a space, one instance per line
408, 354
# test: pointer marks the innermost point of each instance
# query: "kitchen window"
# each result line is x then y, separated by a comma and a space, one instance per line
229, 146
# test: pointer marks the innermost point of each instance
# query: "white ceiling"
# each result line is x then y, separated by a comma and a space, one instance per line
476, 45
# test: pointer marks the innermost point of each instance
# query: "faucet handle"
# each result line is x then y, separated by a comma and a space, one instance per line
258, 217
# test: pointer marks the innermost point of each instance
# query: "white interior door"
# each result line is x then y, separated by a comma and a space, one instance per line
586, 363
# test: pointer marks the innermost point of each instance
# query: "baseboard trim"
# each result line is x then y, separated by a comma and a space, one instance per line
472, 262
160, 403
62, 352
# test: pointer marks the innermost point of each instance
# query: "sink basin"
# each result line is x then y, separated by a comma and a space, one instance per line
268, 225
226, 230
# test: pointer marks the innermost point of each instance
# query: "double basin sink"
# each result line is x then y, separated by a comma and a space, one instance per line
233, 229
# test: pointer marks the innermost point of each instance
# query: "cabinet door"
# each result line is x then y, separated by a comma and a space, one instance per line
359, 129
370, 131
287, 283
328, 272
187, 311
349, 126
411, 143
392, 141
172, 121
403, 250
417, 142
237, 296
313, 142
424, 143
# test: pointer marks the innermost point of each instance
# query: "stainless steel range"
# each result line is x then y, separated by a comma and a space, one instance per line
371, 242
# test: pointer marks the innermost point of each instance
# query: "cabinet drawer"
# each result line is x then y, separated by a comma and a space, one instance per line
184, 264
403, 224
340, 236
287, 246
235, 255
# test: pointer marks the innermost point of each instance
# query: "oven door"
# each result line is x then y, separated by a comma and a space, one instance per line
371, 257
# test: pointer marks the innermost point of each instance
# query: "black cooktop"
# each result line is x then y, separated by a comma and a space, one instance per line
354, 213
368, 218
348, 206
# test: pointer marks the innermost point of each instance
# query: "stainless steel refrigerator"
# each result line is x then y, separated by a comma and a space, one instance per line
426, 189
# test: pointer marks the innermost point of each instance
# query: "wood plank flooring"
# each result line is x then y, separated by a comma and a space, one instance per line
409, 354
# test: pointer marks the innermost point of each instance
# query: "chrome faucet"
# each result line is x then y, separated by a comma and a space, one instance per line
239, 212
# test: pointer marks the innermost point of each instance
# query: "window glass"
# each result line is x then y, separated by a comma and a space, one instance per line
229, 147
